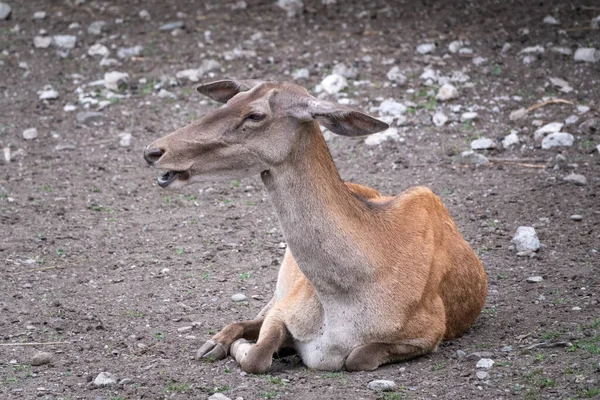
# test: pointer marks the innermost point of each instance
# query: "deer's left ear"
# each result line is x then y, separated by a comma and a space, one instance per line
224, 90
340, 119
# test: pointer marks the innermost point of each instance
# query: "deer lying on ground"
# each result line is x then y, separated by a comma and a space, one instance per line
366, 279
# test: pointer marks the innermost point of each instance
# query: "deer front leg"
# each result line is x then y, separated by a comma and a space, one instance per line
218, 347
257, 358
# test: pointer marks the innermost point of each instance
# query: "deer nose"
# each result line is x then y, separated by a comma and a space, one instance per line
153, 155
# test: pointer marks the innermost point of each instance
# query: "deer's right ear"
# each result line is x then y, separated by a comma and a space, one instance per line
224, 90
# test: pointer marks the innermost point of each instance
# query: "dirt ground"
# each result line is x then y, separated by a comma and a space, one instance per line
94, 255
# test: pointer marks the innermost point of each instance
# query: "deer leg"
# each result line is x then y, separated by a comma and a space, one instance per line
257, 358
370, 356
219, 345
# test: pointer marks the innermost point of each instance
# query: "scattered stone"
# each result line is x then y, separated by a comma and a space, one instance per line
526, 239
576, 217
572, 119
30, 134
69, 108
163, 93
98, 50
346, 72
590, 126
65, 42
302, 73
48, 93
468, 116
42, 42
517, 114
582, 109
125, 381
5, 11
105, 379
95, 28
426, 48
7, 155
292, 7
506, 349
381, 385
482, 375
184, 329
447, 92
41, 358
529, 59
375, 139
129, 52
485, 363
171, 26
144, 14
439, 119
332, 84
455, 46
116, 81
479, 61
392, 107
587, 55
74, 25
562, 50
535, 279
218, 396
470, 157
194, 75
460, 354
563, 86
510, 139
395, 75
552, 127
550, 20
483, 144
85, 117
595, 24
239, 297
557, 139
532, 49
39, 15
125, 139
465, 50
576, 179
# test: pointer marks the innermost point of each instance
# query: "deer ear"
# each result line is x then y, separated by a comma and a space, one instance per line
224, 90
342, 120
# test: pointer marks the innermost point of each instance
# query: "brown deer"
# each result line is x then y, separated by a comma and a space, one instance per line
366, 279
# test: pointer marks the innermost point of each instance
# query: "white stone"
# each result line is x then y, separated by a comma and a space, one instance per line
465, 50
455, 46
459, 76
395, 75
302, 73
595, 24
218, 396
98, 50
375, 139
576, 179
184, 329
64, 42
587, 55
39, 15
5, 11
528, 59
129, 52
532, 49
439, 119
238, 297
557, 139
105, 379
125, 139
292, 7
479, 61
470, 157
526, 239
562, 85
42, 42
48, 93
576, 308
482, 375
517, 114
69, 108
447, 92
581, 109
30, 134
485, 363
550, 20
392, 107
510, 139
163, 93
381, 385
552, 127
562, 50
95, 28
194, 75
468, 116
115, 80
572, 119
74, 25
107, 62
345, 71
144, 14
426, 48
429, 74
483, 144
332, 84
534, 279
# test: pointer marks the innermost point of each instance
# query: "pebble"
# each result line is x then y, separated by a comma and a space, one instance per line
576, 308
561, 84
129, 52
439, 119
144, 14
375, 139
115, 80
302, 73
485, 363
346, 72
42, 42
392, 107
557, 139
194, 75
218, 396
510, 139
587, 55
64, 42
426, 48
239, 297
576, 217
483, 144
98, 50
468, 116
572, 119
5, 11
479, 61
95, 28
532, 49
105, 379
506, 349
576, 179
48, 93
482, 375
30, 134
517, 114
562, 50
590, 126
395, 75
447, 92
381, 385
125, 381
546, 129
332, 84
470, 157
74, 25
534, 279
184, 329
41, 358
595, 24
39, 15
163, 93
550, 20
460, 354
171, 26
125, 139
85, 117
526, 239
455, 46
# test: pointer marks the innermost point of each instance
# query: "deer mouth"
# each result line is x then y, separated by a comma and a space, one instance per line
171, 176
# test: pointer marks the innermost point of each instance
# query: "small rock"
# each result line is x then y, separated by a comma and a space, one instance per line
478, 355
550, 20
561, 84
479, 61
125, 139
562, 50
517, 114
483, 144
39, 15
65, 42
184, 329
115, 80
482, 375
194, 75
587, 55
447, 92
572, 119
576, 217
332, 84
42, 42
381, 385
86, 117
532, 49
425, 48
576, 179
460, 354
41, 358
392, 107
468, 116
239, 297
395, 75
455, 46
125, 381
595, 24
105, 379
535, 279
98, 50
163, 93
590, 126
95, 28
576, 309
546, 129
375, 139
439, 119
171, 26
343, 70
529, 59
30, 134
218, 396
5, 11
526, 239
48, 93
302, 73
129, 52
470, 157
506, 349
144, 14
582, 109
557, 139
510, 139
485, 363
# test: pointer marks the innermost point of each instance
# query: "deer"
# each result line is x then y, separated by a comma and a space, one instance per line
366, 279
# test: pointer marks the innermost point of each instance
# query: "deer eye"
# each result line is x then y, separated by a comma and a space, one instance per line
255, 117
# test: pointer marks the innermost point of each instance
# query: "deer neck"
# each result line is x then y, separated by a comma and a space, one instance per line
319, 216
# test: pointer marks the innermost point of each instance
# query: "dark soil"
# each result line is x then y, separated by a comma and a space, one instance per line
93, 254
